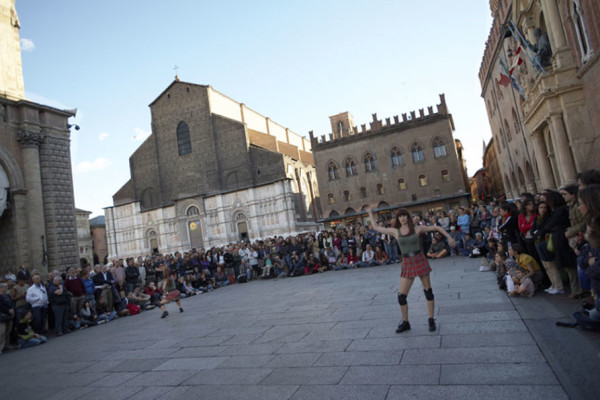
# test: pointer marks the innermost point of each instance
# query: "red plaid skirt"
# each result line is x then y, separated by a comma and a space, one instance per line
415, 266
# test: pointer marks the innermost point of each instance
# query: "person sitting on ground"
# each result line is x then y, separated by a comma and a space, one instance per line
479, 246
324, 264
503, 266
27, 337
312, 264
221, 279
185, 292
204, 283
468, 246
298, 264
524, 286
488, 262
458, 238
368, 258
527, 262
141, 299
438, 249
266, 269
280, 267
87, 314
380, 257
103, 312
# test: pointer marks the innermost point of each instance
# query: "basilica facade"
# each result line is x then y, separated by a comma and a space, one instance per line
212, 172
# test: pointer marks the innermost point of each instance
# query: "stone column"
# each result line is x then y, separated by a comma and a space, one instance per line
562, 149
541, 157
36, 226
556, 32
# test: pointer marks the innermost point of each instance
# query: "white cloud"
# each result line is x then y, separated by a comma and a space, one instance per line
103, 136
97, 165
140, 135
27, 45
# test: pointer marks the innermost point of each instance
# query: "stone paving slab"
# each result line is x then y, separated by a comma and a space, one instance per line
487, 340
359, 358
246, 376
241, 392
346, 392
495, 374
305, 376
393, 375
487, 392
468, 355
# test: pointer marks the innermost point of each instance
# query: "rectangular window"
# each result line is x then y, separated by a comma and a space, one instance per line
347, 196
363, 193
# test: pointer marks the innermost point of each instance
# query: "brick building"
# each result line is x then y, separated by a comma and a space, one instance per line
544, 116
98, 232
414, 162
84, 237
213, 171
37, 217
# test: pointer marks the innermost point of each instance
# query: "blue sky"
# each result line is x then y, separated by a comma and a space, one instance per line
297, 62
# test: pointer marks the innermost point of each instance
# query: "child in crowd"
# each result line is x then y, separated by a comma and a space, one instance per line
523, 285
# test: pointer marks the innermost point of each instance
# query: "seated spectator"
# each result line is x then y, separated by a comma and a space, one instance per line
468, 246
298, 264
281, 269
438, 249
103, 312
154, 293
368, 258
204, 283
458, 238
87, 314
503, 267
524, 286
181, 286
479, 247
221, 279
488, 262
27, 337
528, 263
324, 264
268, 266
380, 257
312, 264
139, 298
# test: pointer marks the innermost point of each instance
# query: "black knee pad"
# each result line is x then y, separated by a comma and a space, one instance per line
429, 294
402, 299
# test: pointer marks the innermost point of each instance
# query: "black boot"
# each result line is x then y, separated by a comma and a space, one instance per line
404, 326
180, 309
431, 325
164, 314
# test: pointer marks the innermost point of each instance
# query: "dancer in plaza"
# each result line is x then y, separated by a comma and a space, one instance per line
414, 262
170, 291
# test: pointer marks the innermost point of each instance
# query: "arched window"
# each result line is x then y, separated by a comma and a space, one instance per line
439, 148
183, 139
193, 210
396, 157
331, 199
401, 184
417, 152
332, 171
583, 39
363, 192
422, 180
380, 189
516, 121
347, 195
350, 167
507, 130
445, 176
369, 163
240, 216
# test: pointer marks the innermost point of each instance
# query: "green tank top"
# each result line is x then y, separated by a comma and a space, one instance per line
409, 243
170, 285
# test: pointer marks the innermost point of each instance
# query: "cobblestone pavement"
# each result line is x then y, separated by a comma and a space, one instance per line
326, 336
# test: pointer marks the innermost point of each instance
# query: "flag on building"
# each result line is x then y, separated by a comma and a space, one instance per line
504, 80
518, 60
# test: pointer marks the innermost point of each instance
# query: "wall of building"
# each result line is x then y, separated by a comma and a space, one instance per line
379, 142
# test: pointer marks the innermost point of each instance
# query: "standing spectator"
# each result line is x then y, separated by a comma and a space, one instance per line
59, 302
37, 297
526, 219
74, 285
24, 274
18, 293
462, 221
558, 224
573, 232
7, 315
132, 276
541, 231
508, 225
118, 273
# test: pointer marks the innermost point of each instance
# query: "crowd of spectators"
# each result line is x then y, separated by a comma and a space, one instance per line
536, 241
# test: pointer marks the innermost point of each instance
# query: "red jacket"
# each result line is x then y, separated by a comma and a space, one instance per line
525, 225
